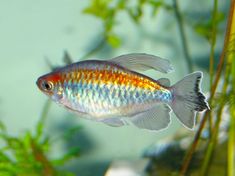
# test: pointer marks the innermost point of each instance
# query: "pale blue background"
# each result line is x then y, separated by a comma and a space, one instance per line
32, 30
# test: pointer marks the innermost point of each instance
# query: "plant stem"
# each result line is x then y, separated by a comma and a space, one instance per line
231, 133
231, 144
211, 145
215, 131
226, 42
212, 53
183, 36
213, 41
48, 169
42, 119
189, 154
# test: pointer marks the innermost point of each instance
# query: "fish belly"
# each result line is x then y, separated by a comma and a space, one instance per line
105, 101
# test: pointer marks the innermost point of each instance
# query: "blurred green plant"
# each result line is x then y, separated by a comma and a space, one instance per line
225, 73
27, 154
108, 10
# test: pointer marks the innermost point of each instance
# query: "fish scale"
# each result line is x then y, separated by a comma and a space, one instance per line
103, 86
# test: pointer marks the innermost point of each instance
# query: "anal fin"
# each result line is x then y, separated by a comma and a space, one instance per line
156, 118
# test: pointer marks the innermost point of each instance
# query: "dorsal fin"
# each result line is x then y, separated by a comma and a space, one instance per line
164, 82
67, 59
143, 62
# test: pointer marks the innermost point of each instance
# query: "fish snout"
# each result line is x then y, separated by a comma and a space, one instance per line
40, 83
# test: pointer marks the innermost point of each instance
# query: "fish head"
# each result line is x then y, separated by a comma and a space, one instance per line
50, 84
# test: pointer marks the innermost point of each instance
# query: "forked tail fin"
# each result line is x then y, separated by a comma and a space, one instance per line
188, 99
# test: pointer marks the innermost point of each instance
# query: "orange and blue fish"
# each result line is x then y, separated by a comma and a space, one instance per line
115, 93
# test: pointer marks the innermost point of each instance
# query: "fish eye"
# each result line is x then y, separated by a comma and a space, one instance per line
47, 85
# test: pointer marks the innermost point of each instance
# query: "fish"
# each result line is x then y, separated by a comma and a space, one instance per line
115, 92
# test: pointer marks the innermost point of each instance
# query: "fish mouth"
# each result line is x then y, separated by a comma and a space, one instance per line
39, 83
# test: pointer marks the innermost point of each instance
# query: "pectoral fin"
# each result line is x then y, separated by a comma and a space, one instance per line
156, 118
143, 62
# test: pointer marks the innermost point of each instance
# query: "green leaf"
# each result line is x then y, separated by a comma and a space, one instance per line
45, 143
121, 4
220, 16
65, 174
98, 8
135, 13
27, 138
114, 41
156, 6
7, 169
72, 153
70, 132
203, 30
109, 23
4, 157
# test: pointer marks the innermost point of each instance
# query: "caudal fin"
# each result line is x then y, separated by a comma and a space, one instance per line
188, 99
